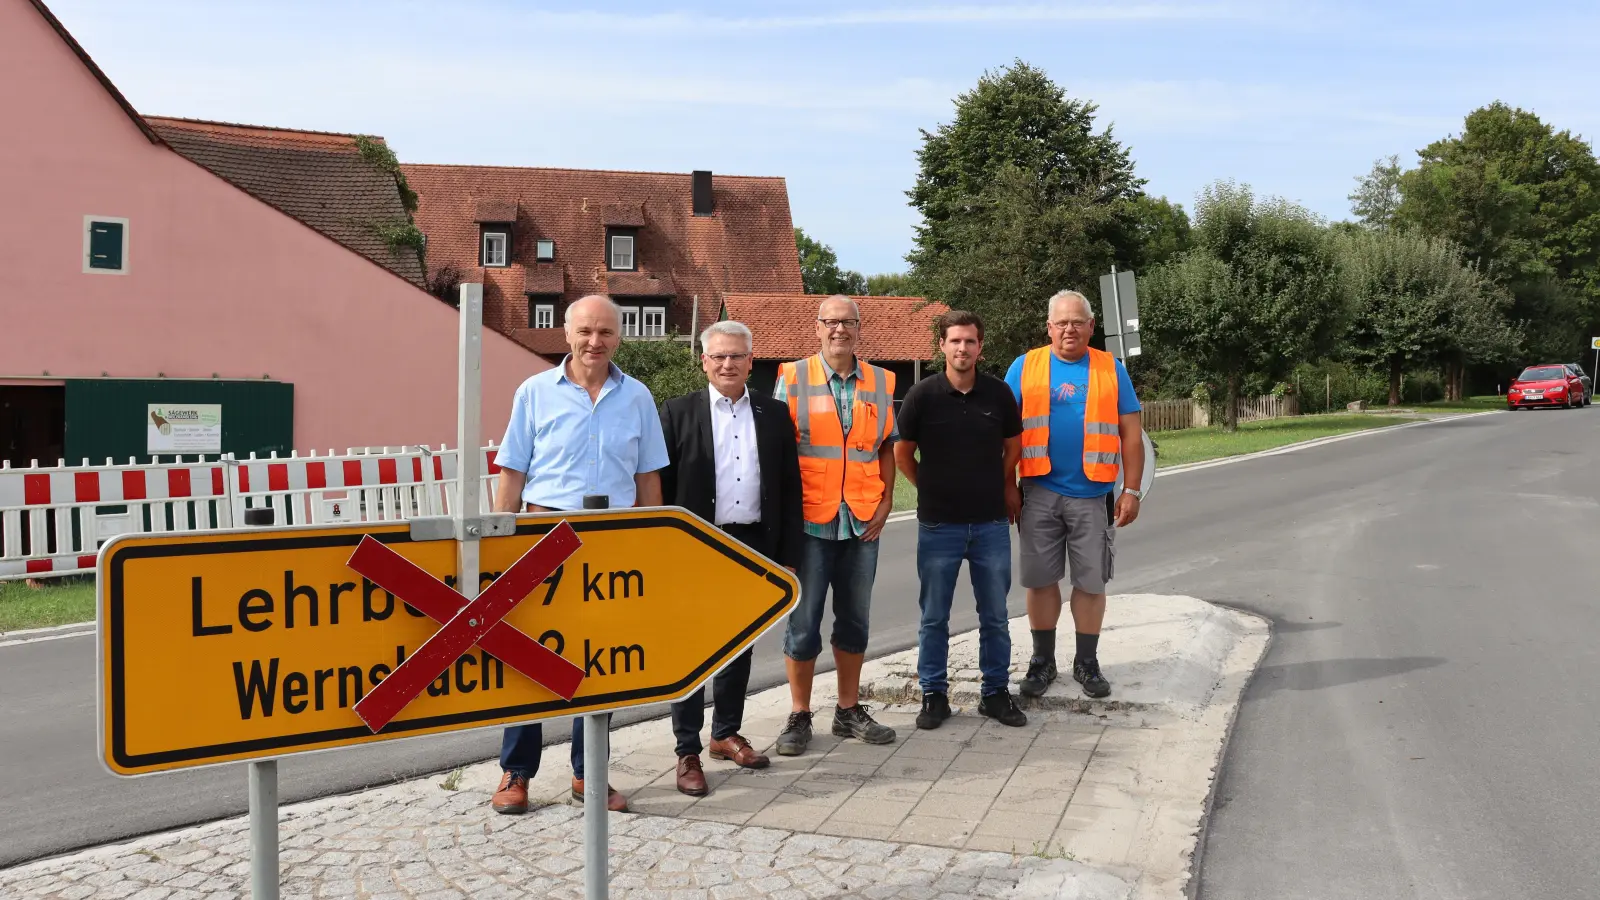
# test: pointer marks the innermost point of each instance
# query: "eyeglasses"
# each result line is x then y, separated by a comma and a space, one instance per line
720, 358
831, 324
1079, 324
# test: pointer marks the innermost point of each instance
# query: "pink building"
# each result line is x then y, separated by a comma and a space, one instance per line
137, 278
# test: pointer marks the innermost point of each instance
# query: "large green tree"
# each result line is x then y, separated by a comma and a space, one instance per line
1017, 118
1416, 300
1019, 242
1523, 199
819, 268
1021, 196
1259, 291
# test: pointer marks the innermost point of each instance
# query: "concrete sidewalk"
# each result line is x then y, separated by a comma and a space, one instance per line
1090, 799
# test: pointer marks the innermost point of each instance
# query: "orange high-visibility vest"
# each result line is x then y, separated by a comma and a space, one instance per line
1102, 443
835, 467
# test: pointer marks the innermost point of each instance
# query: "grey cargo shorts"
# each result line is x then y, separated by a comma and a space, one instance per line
1055, 530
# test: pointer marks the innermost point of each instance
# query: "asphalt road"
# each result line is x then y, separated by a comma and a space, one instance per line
1423, 726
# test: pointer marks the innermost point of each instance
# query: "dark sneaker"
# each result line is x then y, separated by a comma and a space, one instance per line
855, 722
1041, 672
1087, 673
1002, 708
796, 734
935, 709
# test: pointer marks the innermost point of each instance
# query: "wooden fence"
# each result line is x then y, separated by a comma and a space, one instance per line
1175, 415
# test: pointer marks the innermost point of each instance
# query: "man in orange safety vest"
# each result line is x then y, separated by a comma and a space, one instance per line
1080, 424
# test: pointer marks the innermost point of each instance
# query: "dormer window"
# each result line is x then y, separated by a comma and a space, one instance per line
620, 255
496, 247
545, 251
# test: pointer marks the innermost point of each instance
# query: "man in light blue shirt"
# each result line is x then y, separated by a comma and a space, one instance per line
580, 429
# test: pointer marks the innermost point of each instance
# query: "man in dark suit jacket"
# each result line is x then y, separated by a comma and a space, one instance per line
734, 463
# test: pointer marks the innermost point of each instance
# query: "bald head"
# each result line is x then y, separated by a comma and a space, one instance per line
594, 305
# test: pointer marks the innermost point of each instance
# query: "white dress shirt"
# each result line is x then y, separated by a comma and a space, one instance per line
733, 437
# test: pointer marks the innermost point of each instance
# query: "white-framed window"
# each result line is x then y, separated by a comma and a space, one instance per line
630, 321
622, 252
494, 248
544, 315
545, 250
655, 322
105, 245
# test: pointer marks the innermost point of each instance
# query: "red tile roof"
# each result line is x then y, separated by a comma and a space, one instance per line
622, 285
746, 245
785, 325
544, 279
317, 177
495, 211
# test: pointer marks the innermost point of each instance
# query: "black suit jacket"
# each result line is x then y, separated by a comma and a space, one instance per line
690, 478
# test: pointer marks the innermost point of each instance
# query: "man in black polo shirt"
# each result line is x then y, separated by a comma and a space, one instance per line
967, 430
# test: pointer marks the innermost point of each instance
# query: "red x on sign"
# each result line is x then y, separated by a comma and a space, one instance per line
465, 623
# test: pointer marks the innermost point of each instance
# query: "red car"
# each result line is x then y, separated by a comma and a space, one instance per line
1552, 385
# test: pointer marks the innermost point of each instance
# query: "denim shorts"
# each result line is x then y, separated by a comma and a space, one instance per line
848, 568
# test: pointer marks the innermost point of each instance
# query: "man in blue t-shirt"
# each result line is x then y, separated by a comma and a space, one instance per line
1067, 515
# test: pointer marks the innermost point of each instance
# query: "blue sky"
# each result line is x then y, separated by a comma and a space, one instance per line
1293, 98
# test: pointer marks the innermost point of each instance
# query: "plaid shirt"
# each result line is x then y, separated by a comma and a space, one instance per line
845, 525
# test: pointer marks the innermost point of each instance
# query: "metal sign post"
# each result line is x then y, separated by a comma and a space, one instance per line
264, 830
596, 834
596, 770
1120, 298
1594, 343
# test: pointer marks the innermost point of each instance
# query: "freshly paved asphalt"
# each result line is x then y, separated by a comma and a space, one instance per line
1422, 726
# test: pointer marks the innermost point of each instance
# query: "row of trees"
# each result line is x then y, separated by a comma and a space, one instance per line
1484, 256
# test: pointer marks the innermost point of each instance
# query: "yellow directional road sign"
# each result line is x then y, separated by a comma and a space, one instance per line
225, 646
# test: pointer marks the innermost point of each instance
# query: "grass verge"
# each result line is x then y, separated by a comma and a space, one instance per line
57, 601
1470, 404
1200, 444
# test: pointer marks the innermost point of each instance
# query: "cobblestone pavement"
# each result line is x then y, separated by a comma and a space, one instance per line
1103, 803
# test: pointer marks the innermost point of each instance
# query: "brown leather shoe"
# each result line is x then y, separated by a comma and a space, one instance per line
691, 777
614, 800
738, 750
512, 797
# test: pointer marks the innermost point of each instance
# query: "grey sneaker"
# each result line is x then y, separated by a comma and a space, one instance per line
855, 722
796, 734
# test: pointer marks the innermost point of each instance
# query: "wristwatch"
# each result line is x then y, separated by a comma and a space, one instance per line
1137, 495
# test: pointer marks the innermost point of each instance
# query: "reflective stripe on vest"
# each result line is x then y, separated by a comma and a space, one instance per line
1102, 442
837, 468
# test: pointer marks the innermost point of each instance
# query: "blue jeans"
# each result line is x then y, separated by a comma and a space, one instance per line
986, 546
522, 746
849, 568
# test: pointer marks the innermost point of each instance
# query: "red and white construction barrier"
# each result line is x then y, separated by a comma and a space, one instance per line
53, 520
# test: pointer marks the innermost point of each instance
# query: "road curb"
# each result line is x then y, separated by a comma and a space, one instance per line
1191, 890
52, 633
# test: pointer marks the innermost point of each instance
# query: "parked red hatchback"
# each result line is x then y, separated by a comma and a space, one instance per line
1553, 385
